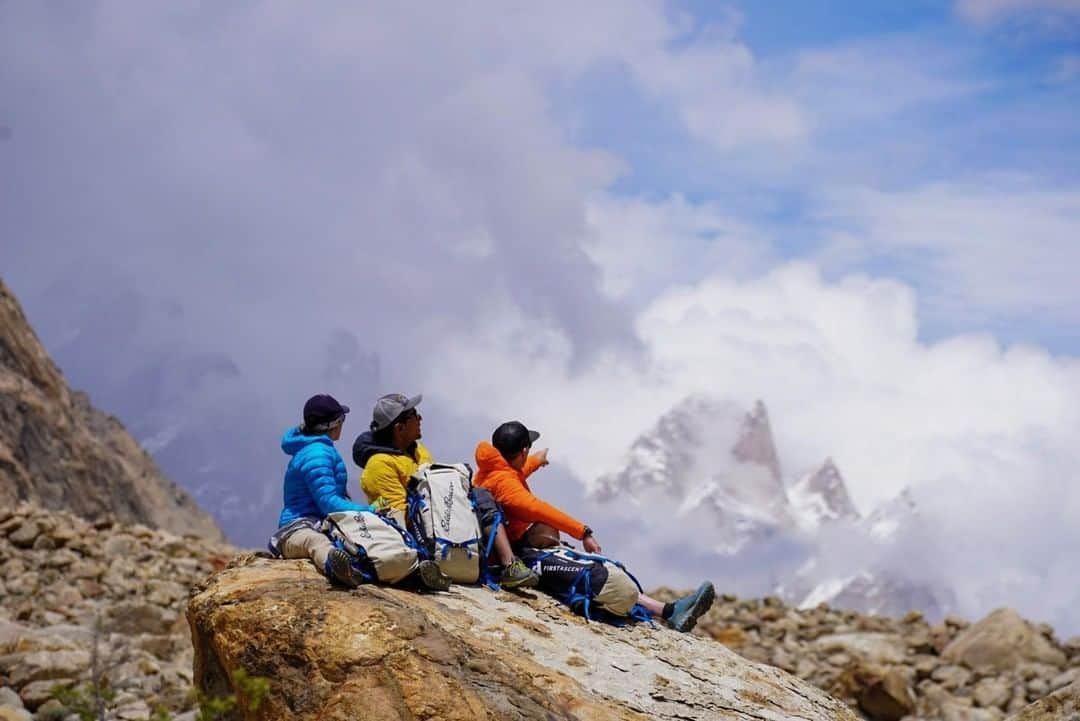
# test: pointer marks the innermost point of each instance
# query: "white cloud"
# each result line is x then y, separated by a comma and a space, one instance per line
641, 247
863, 81
984, 433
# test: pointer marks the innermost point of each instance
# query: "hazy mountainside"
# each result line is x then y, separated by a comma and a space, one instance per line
57, 450
210, 422
714, 466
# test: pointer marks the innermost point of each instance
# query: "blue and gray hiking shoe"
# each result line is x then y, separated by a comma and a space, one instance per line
432, 577
339, 568
689, 609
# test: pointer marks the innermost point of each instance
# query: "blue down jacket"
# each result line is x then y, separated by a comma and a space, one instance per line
315, 478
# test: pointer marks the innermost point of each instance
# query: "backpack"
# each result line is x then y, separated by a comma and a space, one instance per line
381, 549
594, 586
441, 515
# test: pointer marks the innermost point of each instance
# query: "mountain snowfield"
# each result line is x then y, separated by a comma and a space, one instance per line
713, 466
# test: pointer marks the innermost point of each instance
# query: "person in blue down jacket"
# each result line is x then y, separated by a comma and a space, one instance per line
314, 487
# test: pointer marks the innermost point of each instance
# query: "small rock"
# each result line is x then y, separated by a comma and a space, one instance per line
886, 697
35, 693
51, 710
120, 545
8, 697
134, 711
992, 693
47, 666
1064, 679
44, 542
10, 713
951, 677
24, 534
958, 712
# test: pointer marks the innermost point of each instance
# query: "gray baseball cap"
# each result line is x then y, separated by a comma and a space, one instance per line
390, 407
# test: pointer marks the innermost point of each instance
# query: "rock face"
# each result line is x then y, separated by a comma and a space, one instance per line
467, 654
58, 451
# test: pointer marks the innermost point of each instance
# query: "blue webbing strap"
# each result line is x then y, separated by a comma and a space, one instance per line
485, 574
638, 612
446, 545
573, 596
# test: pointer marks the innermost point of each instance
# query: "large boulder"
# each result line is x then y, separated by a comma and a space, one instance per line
467, 654
1062, 705
1000, 642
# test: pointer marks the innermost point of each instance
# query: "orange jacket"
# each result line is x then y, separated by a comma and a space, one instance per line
510, 489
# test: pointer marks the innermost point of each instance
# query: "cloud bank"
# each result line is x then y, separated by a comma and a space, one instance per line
222, 209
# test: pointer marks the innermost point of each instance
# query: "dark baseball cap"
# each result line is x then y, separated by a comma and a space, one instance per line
390, 406
322, 412
511, 437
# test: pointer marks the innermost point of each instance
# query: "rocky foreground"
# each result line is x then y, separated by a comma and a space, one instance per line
888, 669
62, 577
470, 653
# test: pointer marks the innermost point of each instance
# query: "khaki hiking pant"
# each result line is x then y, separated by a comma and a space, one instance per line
308, 543
619, 593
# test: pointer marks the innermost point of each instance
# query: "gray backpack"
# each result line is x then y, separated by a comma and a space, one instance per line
442, 518
381, 550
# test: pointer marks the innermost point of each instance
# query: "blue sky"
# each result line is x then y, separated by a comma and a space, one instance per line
973, 99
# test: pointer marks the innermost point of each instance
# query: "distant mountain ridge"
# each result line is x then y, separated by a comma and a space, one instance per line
711, 453
716, 465
60, 452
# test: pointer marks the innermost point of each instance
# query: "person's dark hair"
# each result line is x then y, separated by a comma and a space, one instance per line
385, 436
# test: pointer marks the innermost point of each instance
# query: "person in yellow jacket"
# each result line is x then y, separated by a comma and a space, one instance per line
391, 452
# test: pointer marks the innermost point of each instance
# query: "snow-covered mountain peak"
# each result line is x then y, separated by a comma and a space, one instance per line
888, 518
708, 455
821, 496
755, 443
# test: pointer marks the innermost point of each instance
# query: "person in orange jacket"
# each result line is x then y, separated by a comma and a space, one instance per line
503, 467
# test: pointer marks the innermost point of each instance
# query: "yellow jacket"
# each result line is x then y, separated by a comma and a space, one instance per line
385, 475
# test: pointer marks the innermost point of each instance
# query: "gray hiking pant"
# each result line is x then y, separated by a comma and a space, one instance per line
307, 543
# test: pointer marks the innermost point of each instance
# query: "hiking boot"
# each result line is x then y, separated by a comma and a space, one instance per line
518, 575
432, 577
689, 609
339, 568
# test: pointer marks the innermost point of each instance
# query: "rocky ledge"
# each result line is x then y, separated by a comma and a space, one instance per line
383, 653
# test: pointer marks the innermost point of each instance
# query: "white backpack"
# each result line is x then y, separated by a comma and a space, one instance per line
377, 545
442, 518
